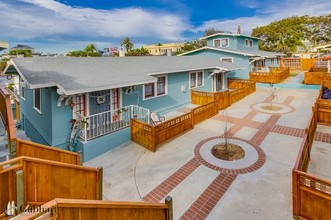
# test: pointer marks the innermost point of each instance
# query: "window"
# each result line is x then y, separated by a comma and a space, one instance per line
80, 104
37, 99
161, 85
23, 93
223, 42
227, 59
159, 88
196, 79
248, 43
115, 99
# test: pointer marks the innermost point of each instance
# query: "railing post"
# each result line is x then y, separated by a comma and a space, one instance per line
19, 191
295, 194
100, 182
168, 202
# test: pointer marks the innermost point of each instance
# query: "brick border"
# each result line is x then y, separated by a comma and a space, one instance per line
258, 164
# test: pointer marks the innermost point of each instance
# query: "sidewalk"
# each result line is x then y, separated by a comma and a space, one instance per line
203, 187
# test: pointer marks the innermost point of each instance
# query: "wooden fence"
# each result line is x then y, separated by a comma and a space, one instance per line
32, 149
323, 106
66, 209
316, 77
311, 195
43, 180
292, 63
150, 136
275, 75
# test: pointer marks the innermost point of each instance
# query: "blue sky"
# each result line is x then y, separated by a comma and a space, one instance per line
59, 26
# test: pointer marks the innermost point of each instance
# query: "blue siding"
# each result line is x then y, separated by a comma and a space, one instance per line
98, 146
175, 97
241, 44
52, 126
232, 41
238, 59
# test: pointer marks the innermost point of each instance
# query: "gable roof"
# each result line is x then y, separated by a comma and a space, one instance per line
74, 75
249, 53
228, 34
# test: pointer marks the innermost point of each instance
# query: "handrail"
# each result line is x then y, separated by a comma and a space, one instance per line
84, 203
60, 208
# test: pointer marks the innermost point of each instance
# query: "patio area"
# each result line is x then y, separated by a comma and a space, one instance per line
256, 187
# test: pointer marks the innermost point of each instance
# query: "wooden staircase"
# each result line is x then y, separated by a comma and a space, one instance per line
55, 186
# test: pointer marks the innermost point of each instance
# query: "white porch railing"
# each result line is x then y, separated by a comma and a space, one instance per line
94, 126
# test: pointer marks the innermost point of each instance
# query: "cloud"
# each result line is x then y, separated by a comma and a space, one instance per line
266, 12
36, 19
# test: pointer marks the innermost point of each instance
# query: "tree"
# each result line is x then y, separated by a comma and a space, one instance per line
211, 31
287, 34
90, 49
26, 53
127, 43
159, 46
191, 45
138, 52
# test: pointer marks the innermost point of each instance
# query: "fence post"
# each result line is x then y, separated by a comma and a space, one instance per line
19, 191
100, 182
168, 202
295, 194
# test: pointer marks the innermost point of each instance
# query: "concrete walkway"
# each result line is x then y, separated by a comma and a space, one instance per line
203, 187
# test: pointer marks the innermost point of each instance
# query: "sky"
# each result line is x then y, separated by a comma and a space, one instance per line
59, 26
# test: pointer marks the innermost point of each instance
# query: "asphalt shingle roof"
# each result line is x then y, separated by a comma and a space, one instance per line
73, 75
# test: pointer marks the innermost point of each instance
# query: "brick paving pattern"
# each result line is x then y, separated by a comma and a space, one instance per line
205, 203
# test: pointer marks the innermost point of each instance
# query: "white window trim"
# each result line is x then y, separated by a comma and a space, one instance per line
23, 92
34, 107
220, 39
223, 58
155, 88
196, 78
248, 44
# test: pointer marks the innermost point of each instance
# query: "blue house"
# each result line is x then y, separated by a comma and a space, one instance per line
85, 104
239, 49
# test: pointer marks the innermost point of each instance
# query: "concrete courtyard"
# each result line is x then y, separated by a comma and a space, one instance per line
203, 187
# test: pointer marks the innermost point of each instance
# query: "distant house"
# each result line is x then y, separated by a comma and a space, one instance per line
21, 47
239, 49
86, 103
162, 49
3, 45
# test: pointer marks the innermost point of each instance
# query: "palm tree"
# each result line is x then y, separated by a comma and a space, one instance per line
90, 48
159, 45
127, 43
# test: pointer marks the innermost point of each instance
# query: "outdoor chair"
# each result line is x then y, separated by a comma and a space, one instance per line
156, 119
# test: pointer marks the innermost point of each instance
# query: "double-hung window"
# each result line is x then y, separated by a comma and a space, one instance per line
159, 88
37, 100
222, 42
196, 79
248, 43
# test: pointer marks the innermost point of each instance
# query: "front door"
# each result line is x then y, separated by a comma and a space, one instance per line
100, 105
218, 81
